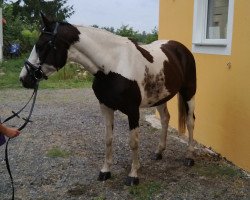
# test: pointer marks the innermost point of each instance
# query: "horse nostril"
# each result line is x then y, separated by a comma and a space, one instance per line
21, 79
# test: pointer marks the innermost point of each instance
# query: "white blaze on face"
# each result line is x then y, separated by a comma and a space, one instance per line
34, 59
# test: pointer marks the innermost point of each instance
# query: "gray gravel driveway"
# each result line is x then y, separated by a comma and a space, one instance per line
59, 156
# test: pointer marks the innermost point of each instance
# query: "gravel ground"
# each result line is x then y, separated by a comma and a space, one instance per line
70, 122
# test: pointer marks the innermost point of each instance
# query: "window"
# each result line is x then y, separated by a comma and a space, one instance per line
213, 25
217, 19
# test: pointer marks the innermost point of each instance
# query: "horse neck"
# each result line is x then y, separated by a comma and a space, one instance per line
96, 49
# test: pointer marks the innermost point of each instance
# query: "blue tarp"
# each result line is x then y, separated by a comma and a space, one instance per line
14, 49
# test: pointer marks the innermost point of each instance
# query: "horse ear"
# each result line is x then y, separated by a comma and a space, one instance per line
45, 20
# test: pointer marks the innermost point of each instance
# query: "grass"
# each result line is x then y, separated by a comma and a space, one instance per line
145, 191
99, 198
71, 76
11, 70
213, 170
56, 152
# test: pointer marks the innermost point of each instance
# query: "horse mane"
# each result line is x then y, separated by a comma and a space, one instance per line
68, 32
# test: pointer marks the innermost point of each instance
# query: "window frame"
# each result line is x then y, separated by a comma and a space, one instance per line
200, 44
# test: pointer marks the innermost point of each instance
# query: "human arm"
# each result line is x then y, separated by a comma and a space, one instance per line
9, 132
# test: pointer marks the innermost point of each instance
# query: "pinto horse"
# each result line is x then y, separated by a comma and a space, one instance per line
127, 77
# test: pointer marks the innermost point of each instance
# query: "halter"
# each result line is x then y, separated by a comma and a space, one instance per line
36, 71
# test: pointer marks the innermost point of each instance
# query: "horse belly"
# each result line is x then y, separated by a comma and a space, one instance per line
156, 99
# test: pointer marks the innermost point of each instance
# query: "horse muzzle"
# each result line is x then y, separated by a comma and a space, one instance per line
33, 76
28, 82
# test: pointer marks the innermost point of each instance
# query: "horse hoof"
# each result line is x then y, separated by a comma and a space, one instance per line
130, 181
157, 156
103, 176
189, 162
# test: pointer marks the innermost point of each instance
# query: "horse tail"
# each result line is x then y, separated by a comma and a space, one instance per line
182, 114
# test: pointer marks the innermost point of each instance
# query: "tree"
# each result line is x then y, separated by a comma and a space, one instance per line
110, 29
143, 37
30, 9
151, 36
16, 30
127, 31
23, 17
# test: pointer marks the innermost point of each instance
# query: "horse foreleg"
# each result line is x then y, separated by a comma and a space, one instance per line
132, 178
189, 160
164, 115
108, 114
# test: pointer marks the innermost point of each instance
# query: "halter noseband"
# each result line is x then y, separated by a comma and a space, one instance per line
36, 71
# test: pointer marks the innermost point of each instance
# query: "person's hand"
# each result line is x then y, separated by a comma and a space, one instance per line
11, 132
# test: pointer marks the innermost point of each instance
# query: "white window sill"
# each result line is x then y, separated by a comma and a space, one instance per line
210, 44
218, 49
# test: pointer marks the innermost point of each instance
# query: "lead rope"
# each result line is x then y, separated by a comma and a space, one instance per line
27, 120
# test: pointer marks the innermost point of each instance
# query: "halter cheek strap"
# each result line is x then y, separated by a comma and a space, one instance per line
51, 43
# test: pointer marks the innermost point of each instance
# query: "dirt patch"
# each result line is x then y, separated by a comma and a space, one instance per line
59, 156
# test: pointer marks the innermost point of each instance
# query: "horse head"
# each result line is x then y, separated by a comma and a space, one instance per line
50, 52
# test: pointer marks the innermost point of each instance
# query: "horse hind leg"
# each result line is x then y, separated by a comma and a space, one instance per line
164, 116
189, 160
109, 119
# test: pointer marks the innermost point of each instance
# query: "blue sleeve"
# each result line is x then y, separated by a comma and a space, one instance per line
2, 139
